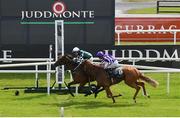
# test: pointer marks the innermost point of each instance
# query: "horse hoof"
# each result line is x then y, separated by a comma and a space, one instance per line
148, 96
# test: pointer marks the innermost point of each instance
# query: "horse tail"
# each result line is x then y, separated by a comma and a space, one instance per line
152, 82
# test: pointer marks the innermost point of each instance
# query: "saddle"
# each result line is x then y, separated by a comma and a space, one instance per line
115, 73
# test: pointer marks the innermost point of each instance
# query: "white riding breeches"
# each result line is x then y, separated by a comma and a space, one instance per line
106, 65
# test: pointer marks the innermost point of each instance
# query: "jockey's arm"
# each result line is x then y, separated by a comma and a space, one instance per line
77, 59
104, 65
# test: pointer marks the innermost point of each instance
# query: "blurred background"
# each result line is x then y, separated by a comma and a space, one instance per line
142, 6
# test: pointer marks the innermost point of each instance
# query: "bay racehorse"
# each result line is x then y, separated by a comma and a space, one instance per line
79, 76
131, 77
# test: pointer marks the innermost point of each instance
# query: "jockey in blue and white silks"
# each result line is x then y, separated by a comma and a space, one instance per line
107, 61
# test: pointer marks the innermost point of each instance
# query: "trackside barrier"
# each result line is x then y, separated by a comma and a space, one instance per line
136, 59
118, 32
167, 4
25, 59
59, 50
153, 70
48, 71
25, 64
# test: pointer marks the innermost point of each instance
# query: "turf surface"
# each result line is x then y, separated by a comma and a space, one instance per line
40, 104
151, 10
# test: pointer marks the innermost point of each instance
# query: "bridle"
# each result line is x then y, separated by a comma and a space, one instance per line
69, 58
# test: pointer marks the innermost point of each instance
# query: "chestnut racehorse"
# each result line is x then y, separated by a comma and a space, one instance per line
131, 77
79, 76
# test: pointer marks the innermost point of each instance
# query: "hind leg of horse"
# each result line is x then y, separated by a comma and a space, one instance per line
109, 94
134, 85
143, 87
80, 87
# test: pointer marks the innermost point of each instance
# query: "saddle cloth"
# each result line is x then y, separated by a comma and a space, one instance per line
116, 73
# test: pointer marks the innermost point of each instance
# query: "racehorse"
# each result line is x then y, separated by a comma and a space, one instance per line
79, 76
132, 77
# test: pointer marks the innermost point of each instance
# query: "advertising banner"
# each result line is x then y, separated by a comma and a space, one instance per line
147, 23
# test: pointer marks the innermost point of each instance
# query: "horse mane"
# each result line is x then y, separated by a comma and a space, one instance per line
69, 56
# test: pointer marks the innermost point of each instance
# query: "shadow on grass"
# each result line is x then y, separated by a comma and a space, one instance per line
93, 104
29, 97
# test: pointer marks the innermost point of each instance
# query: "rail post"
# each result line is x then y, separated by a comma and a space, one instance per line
157, 10
36, 77
49, 69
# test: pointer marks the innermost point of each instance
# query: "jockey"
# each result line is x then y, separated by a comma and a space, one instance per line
109, 63
81, 55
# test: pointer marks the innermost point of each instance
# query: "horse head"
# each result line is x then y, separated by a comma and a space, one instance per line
64, 60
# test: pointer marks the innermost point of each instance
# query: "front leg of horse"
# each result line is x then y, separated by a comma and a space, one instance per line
117, 95
69, 87
82, 90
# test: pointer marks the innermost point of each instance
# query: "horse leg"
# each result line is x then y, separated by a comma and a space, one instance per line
134, 85
143, 87
72, 83
109, 94
68, 86
97, 91
117, 95
80, 88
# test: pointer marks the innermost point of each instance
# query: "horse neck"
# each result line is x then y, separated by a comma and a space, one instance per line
72, 65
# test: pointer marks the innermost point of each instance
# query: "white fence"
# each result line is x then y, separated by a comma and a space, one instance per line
136, 59
48, 71
118, 32
59, 48
36, 63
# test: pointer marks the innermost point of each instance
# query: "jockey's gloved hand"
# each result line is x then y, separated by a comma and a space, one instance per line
80, 59
75, 59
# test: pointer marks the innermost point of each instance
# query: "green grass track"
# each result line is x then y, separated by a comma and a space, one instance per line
42, 105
